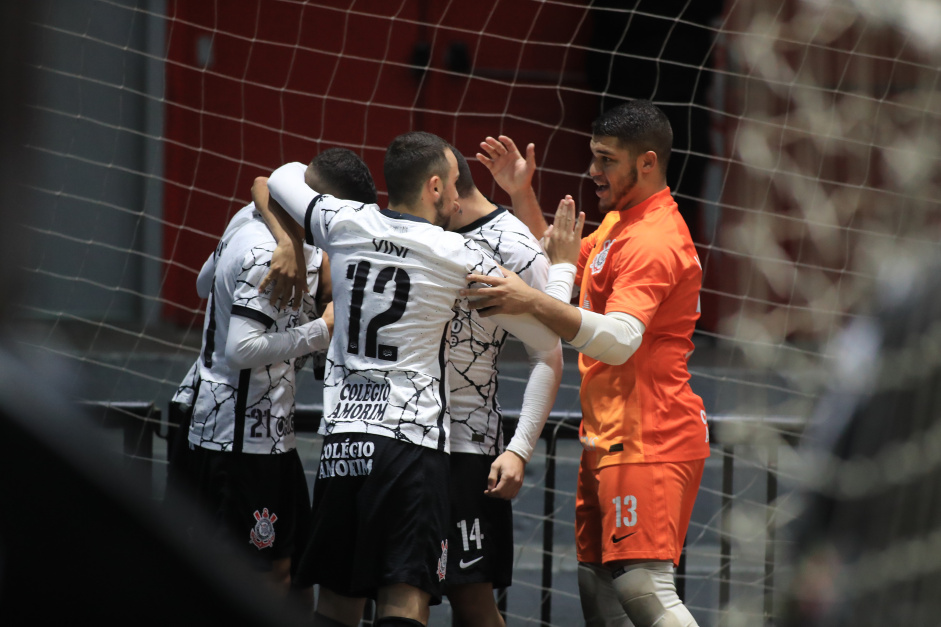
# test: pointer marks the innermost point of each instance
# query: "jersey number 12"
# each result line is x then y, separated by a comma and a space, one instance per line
359, 274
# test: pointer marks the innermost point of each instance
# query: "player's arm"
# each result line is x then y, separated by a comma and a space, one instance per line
545, 374
288, 190
324, 295
514, 174
610, 338
526, 328
287, 275
510, 295
250, 345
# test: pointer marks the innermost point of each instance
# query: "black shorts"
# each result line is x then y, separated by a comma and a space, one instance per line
260, 502
379, 518
480, 537
179, 417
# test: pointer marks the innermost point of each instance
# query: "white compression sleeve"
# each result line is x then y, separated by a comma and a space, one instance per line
287, 186
249, 346
530, 331
610, 338
561, 281
545, 374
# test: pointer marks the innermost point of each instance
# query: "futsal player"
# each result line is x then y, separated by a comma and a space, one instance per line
643, 430
380, 501
485, 470
241, 462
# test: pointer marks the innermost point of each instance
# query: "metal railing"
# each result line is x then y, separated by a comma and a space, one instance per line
142, 421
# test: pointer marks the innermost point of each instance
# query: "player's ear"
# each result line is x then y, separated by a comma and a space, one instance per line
647, 162
434, 186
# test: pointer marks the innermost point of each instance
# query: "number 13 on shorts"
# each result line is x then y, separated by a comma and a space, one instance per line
625, 511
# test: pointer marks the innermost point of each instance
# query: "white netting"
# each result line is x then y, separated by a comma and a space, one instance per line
806, 163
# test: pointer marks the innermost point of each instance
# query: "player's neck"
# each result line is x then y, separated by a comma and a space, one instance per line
473, 208
418, 210
641, 195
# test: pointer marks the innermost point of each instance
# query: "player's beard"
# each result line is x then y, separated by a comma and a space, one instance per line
441, 219
613, 204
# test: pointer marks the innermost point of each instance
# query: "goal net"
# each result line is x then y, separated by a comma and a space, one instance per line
806, 163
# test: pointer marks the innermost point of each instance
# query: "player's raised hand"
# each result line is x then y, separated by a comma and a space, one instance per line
508, 294
287, 275
506, 476
563, 240
510, 170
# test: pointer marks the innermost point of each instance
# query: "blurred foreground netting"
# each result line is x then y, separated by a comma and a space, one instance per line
868, 536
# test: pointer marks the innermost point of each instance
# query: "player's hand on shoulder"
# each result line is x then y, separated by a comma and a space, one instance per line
506, 476
287, 276
511, 171
491, 295
563, 240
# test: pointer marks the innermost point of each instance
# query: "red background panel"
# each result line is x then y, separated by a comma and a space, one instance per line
286, 80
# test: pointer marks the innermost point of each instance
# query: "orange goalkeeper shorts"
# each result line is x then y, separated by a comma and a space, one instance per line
634, 511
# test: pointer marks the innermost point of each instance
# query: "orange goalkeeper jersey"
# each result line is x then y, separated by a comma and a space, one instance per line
642, 262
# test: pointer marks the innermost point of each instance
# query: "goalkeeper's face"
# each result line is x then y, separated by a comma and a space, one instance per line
614, 172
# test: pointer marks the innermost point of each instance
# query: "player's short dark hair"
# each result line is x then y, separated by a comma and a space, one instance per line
639, 126
346, 175
411, 159
465, 182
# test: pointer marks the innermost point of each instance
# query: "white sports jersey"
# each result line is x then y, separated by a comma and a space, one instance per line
476, 425
396, 280
249, 410
186, 393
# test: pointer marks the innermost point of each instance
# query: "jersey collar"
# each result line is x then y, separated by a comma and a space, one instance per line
654, 200
479, 222
395, 215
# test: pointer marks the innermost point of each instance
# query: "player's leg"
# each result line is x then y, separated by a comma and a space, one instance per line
402, 601
301, 593
403, 516
336, 610
280, 574
330, 554
480, 544
645, 516
273, 507
647, 591
378, 527
600, 605
241, 494
473, 605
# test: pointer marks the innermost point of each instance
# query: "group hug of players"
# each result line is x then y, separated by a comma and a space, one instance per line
412, 304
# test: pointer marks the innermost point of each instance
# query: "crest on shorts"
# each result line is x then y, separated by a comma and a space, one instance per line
598, 262
443, 560
263, 534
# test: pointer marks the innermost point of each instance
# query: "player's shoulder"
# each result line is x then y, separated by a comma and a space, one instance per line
453, 247
508, 223
342, 210
513, 245
251, 242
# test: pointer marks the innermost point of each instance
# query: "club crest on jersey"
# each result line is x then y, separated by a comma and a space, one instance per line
598, 262
443, 560
263, 534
